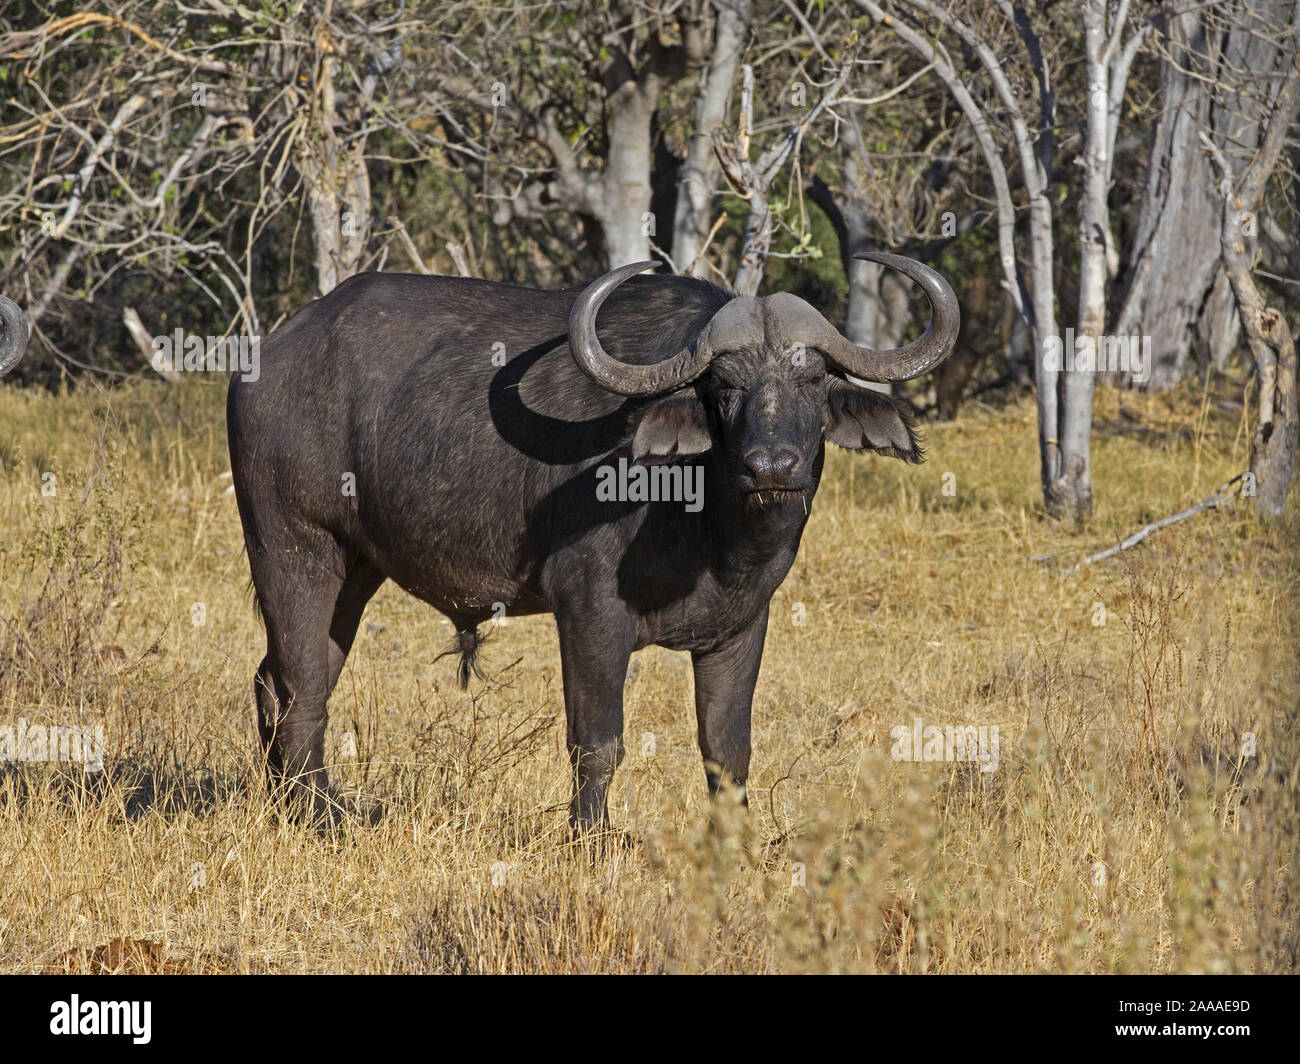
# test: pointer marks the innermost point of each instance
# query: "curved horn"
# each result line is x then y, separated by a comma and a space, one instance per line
923, 353
14, 331
623, 378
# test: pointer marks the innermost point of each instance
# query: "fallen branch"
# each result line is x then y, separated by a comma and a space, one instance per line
1221, 495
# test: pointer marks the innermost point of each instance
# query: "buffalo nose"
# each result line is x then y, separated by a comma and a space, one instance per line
771, 466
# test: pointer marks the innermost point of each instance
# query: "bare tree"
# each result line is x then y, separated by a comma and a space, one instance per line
1219, 68
621, 52
885, 199
171, 143
751, 180
1036, 302
1064, 385
1108, 59
699, 173
1272, 344
333, 166
876, 200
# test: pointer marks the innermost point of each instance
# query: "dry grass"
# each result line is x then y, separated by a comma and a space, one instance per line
1122, 830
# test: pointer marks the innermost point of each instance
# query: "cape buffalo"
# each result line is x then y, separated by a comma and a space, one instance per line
457, 436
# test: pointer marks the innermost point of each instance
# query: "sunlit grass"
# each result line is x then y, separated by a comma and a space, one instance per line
1122, 830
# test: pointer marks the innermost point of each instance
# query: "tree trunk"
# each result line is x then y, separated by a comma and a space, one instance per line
699, 171
1219, 327
1178, 221
1272, 453
879, 298
1073, 486
336, 180
626, 186
878, 302
1273, 449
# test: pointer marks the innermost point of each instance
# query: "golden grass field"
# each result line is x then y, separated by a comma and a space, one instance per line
1123, 830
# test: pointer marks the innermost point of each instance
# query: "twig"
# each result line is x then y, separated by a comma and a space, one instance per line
409, 244
707, 241
667, 258
458, 258
889, 94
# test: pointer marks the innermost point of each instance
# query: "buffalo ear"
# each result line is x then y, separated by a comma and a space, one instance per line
862, 420
671, 428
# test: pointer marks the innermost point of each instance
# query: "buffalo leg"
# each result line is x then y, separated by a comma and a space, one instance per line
724, 694
359, 588
292, 683
594, 657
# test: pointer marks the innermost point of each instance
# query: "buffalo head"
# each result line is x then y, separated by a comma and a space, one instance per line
770, 383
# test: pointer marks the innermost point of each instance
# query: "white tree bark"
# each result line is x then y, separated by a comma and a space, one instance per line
699, 173
1064, 393
625, 192
617, 198
334, 172
878, 308
1073, 486
1035, 302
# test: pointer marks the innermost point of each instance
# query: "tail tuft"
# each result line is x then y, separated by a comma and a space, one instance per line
467, 645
